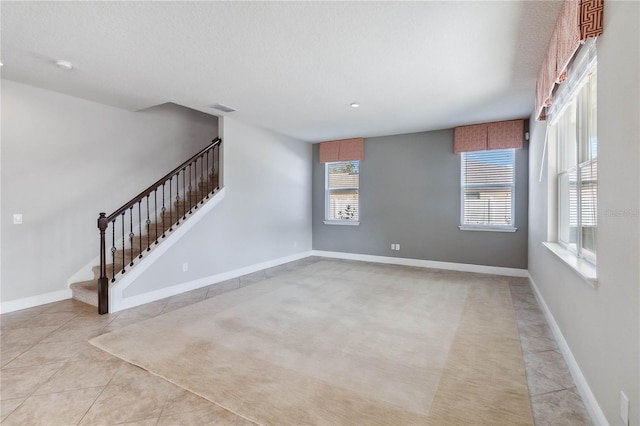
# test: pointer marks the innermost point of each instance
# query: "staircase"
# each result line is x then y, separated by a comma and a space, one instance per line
136, 228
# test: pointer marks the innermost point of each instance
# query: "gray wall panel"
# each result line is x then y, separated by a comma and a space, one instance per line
410, 194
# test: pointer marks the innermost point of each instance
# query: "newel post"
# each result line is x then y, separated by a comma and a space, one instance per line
103, 281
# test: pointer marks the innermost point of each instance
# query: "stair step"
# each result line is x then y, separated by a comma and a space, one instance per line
183, 207
86, 292
129, 254
159, 224
206, 186
118, 265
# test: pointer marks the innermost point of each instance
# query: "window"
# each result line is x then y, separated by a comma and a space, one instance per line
574, 132
487, 190
342, 186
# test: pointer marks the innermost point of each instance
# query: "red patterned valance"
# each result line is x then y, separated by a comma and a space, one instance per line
591, 18
505, 134
342, 150
470, 138
578, 20
481, 137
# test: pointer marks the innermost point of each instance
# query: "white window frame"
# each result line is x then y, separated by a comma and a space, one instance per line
487, 227
573, 90
580, 259
327, 191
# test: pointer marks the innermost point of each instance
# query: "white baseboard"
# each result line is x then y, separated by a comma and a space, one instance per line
588, 398
463, 267
30, 302
141, 299
116, 291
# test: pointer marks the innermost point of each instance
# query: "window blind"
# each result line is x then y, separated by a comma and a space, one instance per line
488, 187
573, 128
342, 190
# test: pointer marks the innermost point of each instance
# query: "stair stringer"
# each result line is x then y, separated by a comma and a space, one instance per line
117, 300
86, 272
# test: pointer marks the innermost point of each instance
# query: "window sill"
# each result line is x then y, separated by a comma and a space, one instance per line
486, 228
342, 222
584, 269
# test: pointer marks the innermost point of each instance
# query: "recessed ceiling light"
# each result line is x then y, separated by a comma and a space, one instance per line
355, 105
65, 65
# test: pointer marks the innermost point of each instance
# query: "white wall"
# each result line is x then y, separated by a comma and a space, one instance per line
64, 160
265, 215
601, 325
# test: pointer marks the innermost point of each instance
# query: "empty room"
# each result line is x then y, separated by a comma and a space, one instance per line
320, 213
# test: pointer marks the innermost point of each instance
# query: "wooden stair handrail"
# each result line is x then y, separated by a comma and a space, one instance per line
159, 182
104, 221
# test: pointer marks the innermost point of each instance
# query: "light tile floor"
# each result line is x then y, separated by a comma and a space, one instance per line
51, 375
554, 397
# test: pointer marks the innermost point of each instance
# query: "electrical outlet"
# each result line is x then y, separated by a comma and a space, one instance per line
17, 218
397, 246
393, 246
624, 408
185, 267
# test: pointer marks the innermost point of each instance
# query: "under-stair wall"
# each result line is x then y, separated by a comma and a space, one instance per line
65, 159
263, 219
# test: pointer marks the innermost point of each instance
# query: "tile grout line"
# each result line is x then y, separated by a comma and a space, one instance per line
15, 409
36, 388
98, 396
164, 405
533, 396
522, 351
6, 367
556, 391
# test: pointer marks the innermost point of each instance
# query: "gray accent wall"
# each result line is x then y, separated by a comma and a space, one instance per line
410, 195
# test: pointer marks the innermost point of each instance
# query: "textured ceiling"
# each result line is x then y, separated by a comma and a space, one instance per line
293, 67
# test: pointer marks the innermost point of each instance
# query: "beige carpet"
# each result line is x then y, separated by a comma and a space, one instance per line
345, 343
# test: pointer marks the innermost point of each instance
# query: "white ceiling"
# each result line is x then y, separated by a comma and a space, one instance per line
293, 67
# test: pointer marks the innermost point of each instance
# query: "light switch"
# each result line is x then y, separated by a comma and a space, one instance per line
17, 218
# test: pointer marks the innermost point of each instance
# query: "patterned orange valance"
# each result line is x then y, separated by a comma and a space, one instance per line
578, 20
482, 137
342, 150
